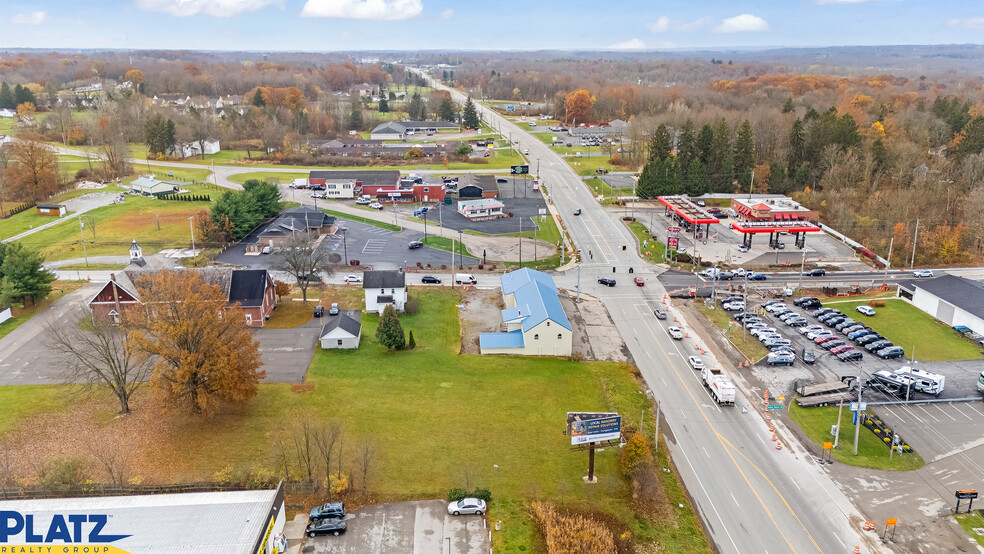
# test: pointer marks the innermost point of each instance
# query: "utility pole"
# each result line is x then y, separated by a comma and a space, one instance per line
520, 241
81, 234
750, 183
915, 237
192, 226
857, 424
840, 408
889, 262
578, 299
802, 267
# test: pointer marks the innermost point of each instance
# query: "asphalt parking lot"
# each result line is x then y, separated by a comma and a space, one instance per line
286, 353
519, 198
405, 527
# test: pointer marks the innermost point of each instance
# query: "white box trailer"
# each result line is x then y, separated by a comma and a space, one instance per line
721, 388
923, 381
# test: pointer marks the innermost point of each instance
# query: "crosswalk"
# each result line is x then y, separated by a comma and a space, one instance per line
374, 246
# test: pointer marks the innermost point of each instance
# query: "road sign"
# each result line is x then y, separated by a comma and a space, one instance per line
892, 521
520, 170
964, 494
510, 108
828, 445
854, 406
774, 406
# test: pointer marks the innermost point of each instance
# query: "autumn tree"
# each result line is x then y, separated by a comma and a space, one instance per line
26, 109
302, 257
97, 354
206, 355
390, 332
578, 106
471, 120
135, 76
33, 171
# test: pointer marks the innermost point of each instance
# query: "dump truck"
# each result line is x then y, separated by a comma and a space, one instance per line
721, 388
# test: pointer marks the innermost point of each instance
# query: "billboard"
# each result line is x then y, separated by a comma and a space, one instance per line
672, 238
593, 427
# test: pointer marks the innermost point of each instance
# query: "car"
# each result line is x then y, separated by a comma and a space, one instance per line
878, 345
502, 180
780, 245
733, 306
834, 321
328, 526
773, 307
639, 281
851, 355
732, 299
847, 323
526, 151
353, 279
414, 244
818, 272
841, 349
766, 337
749, 321
660, 314
821, 311
866, 310
328, 510
756, 277
743, 248
810, 329
798, 322
696, 363
833, 343
739, 272
800, 301
814, 335
317, 195
783, 350
333, 310
759, 331
922, 273
824, 338
467, 506
848, 329
858, 333
675, 332
363, 202
577, 211
776, 358
829, 316
868, 339
788, 315
714, 210
606, 281
701, 203
890, 352
811, 305
376, 206
430, 280
808, 356
319, 311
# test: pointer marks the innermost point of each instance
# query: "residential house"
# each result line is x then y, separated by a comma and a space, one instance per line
342, 331
471, 185
399, 130
291, 222
384, 288
367, 89
7, 112
194, 148
481, 209
534, 318
149, 186
252, 289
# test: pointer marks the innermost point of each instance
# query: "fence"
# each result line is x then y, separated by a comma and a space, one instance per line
96, 489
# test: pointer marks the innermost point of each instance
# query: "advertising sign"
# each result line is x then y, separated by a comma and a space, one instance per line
520, 170
673, 238
594, 428
965, 494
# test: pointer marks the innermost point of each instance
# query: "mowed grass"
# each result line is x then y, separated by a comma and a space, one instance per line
872, 452
23, 401
599, 187
446, 244
749, 346
911, 328
290, 313
969, 522
272, 176
23, 312
117, 225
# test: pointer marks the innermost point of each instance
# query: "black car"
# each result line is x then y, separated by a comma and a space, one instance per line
808, 356
890, 352
817, 272
501, 180
850, 355
319, 311
660, 314
430, 279
606, 281
577, 211
868, 338
328, 510
328, 526
414, 244
805, 300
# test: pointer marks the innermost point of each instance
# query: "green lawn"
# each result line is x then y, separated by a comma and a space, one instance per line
971, 521
599, 187
547, 231
872, 452
911, 328
22, 312
653, 251
24, 221
445, 243
169, 173
92, 267
366, 220
588, 165
274, 176
21, 402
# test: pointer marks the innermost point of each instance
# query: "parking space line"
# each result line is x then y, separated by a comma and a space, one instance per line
944, 411
891, 411
973, 408
927, 413
954, 406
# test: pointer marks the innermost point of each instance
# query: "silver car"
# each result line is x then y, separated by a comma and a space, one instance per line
467, 506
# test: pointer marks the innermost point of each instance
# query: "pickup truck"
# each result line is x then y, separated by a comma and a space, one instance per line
721, 388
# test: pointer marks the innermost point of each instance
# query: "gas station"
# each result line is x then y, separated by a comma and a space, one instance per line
691, 217
797, 228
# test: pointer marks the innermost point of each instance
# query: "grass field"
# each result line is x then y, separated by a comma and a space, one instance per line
971, 521
912, 329
366, 220
872, 452
599, 186
290, 314
588, 166
274, 176
92, 267
653, 250
748, 345
547, 230
155, 224
167, 173
22, 312
444, 243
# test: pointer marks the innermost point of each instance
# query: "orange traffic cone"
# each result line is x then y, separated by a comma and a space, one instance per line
767, 416
857, 550
772, 428
686, 335
778, 446
773, 437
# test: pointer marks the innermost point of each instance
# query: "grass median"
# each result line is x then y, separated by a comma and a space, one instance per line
748, 345
649, 248
365, 220
971, 522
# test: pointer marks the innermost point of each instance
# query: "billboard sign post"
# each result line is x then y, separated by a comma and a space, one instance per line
520, 170
591, 429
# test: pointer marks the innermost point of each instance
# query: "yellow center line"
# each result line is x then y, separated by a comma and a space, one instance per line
726, 446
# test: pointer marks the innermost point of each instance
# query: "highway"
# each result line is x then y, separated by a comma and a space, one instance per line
751, 497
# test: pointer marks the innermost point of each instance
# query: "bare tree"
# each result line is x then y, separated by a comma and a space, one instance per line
115, 459
91, 220
303, 257
99, 354
365, 456
283, 453
303, 434
325, 436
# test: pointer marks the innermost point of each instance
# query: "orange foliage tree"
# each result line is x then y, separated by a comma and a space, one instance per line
33, 173
135, 76
578, 105
206, 355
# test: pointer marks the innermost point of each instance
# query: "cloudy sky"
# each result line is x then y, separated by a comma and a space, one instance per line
325, 25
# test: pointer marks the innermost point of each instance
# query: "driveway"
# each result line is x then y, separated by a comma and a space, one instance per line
287, 353
406, 527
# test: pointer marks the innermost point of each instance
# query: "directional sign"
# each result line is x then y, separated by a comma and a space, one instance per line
510, 108
520, 170
828, 445
774, 406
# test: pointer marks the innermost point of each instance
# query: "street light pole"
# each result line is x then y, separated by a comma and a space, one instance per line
802, 266
461, 255
345, 244
857, 423
192, 226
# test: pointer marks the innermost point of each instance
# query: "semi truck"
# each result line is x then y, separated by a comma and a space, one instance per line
721, 388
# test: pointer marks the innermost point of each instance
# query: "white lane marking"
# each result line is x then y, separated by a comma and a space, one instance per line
897, 416
705, 452
973, 408
927, 413
708, 497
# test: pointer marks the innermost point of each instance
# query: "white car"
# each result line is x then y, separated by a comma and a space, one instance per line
376, 206
743, 248
317, 195
806, 329
922, 273
866, 310
771, 308
739, 272
675, 332
467, 506
353, 279
762, 330
823, 332
696, 363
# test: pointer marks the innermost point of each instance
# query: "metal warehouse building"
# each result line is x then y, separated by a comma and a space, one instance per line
953, 300
247, 522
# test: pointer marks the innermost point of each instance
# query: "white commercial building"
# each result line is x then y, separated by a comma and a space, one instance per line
536, 324
955, 301
483, 208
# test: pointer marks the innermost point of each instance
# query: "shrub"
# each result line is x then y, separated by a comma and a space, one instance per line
411, 344
876, 303
411, 306
457, 494
480, 266
63, 474
484, 494
571, 533
636, 451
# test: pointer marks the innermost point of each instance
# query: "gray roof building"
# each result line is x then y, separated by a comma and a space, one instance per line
959, 292
389, 279
343, 322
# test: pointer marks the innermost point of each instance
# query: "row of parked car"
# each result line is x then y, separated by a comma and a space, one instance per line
859, 333
780, 348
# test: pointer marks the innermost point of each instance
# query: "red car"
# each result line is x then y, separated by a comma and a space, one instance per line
639, 282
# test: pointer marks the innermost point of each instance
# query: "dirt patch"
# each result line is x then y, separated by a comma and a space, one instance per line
595, 334
480, 313
507, 248
301, 388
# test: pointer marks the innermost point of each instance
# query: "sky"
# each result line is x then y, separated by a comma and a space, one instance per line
340, 25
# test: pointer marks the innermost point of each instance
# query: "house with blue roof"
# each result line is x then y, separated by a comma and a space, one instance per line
534, 318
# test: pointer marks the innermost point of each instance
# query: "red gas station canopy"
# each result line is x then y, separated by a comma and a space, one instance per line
790, 226
690, 212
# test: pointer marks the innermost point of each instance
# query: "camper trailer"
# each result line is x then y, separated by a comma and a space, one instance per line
891, 383
923, 381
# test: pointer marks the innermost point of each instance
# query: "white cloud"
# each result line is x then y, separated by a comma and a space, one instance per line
970, 23
664, 24
33, 18
381, 10
632, 44
217, 8
744, 23
447, 14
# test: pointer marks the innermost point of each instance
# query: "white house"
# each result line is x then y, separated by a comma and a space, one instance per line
194, 148
6, 112
483, 208
384, 287
536, 324
341, 331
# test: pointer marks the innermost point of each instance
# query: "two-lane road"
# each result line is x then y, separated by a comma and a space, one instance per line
751, 497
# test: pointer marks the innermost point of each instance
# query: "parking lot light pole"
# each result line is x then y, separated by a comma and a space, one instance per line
802, 266
857, 424
345, 244
461, 255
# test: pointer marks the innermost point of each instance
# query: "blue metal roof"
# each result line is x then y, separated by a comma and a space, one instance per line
536, 298
512, 339
511, 314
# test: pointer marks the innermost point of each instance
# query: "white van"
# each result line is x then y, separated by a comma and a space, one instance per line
980, 383
923, 381
465, 279
532, 123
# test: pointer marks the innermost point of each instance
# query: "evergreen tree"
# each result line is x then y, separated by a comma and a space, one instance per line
667, 178
417, 110
411, 344
686, 147
258, 99
355, 119
390, 332
788, 106
646, 186
797, 145
972, 141
725, 183
445, 112
21, 274
264, 197
703, 146
721, 166
384, 106
744, 159
660, 145
778, 182
155, 134
698, 182
802, 175
6, 97
170, 136
471, 115
24, 94
879, 155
